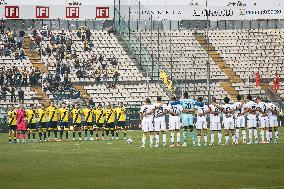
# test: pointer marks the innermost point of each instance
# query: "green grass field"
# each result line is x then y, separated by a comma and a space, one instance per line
116, 164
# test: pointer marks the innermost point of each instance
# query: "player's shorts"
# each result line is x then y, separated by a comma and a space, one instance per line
42, 125
251, 123
121, 124
174, 123
159, 125
12, 127
215, 126
31, 126
229, 125
21, 127
77, 125
110, 125
147, 126
64, 125
187, 121
264, 123
273, 122
201, 124
100, 125
88, 126
52, 125
240, 122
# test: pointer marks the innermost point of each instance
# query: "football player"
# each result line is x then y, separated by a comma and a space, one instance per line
215, 121
100, 121
201, 124
250, 108
31, 114
146, 117
240, 119
52, 112
160, 121
263, 118
77, 121
21, 125
273, 123
42, 122
110, 117
187, 117
121, 118
64, 120
88, 122
12, 124
174, 110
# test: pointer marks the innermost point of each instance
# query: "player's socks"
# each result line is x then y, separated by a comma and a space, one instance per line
79, 134
262, 135
33, 135
234, 139
267, 136
198, 140
157, 137
40, 136
23, 136
205, 139
86, 133
184, 135
48, 134
91, 133
192, 137
55, 134
29, 136
219, 137
44, 135
97, 135
244, 133
270, 136
250, 135
116, 134
172, 137
18, 135
73, 135
255, 135
227, 139
164, 138
107, 132
112, 133
178, 137
237, 135
66, 133
10, 140
124, 133
151, 139
143, 139
61, 134
276, 136
212, 138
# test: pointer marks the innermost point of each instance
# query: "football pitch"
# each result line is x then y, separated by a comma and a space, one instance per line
117, 164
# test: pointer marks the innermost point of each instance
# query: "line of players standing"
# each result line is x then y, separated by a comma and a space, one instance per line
53, 118
238, 117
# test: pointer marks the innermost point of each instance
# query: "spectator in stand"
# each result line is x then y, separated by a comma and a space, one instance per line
13, 96
113, 61
86, 46
22, 55
25, 77
93, 58
37, 40
48, 50
32, 46
18, 78
98, 76
19, 43
21, 95
115, 77
88, 35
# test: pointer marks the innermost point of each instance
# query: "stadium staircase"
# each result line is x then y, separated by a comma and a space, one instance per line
35, 59
83, 92
220, 62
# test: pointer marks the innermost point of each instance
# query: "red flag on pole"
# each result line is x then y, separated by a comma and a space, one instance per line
257, 79
276, 83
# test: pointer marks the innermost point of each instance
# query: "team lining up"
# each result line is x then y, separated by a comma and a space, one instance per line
243, 115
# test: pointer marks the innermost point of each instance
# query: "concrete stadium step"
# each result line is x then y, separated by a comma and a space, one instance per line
227, 86
83, 92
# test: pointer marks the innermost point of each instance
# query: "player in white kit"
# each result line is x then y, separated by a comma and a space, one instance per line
228, 121
201, 123
146, 117
160, 121
240, 119
273, 123
250, 109
263, 118
215, 121
174, 110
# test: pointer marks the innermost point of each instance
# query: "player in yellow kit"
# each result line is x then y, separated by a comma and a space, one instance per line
12, 123
52, 112
42, 122
76, 119
100, 121
64, 120
31, 114
88, 122
110, 117
121, 117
